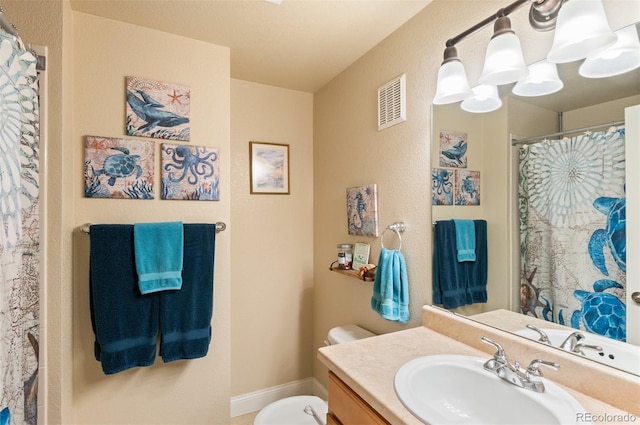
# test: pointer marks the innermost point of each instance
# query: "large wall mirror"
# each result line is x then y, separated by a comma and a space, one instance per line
582, 103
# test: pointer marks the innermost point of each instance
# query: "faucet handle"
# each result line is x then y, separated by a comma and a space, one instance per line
543, 336
499, 354
534, 367
579, 348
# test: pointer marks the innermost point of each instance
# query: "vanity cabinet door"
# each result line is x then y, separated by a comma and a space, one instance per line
348, 408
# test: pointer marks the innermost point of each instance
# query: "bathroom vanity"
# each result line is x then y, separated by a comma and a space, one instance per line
362, 372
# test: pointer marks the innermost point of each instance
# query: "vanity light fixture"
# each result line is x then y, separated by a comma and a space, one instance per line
503, 63
453, 85
542, 80
484, 99
622, 57
581, 28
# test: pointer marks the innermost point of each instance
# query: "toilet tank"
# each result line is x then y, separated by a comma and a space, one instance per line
346, 333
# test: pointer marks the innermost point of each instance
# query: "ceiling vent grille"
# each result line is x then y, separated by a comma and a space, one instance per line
392, 104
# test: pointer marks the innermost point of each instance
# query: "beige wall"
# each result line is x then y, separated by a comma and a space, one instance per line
272, 242
105, 52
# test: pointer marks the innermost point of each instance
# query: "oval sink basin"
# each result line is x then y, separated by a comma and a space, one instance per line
453, 389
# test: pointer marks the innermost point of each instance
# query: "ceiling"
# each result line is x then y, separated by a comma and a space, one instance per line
304, 44
298, 44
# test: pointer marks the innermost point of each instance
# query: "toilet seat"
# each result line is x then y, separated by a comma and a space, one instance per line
290, 411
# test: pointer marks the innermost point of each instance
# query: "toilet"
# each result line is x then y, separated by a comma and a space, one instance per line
306, 409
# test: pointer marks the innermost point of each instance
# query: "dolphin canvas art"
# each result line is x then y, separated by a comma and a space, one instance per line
158, 110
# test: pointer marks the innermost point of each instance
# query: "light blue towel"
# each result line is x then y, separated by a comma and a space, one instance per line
391, 287
159, 251
465, 240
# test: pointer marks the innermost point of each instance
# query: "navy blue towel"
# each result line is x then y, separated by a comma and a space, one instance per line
185, 315
459, 283
124, 321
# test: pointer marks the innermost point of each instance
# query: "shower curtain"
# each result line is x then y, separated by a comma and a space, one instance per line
572, 209
19, 232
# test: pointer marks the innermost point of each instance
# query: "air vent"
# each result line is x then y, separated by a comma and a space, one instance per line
392, 105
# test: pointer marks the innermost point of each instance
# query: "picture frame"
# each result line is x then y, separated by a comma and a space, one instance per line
360, 255
269, 168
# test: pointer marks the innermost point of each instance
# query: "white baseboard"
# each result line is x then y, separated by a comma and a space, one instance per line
254, 401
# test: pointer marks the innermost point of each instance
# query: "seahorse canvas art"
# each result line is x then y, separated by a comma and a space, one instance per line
362, 210
158, 110
190, 172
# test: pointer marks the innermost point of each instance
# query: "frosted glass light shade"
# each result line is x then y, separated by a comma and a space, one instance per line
503, 63
582, 28
542, 79
453, 85
484, 99
623, 56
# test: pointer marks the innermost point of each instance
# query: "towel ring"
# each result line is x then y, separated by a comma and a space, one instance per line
398, 228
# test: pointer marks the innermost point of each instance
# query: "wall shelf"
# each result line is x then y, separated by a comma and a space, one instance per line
352, 273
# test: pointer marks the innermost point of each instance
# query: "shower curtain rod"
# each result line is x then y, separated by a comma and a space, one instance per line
526, 140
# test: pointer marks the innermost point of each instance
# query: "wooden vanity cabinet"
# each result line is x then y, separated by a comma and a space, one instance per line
348, 408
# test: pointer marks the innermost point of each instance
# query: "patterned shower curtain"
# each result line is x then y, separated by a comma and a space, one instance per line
572, 209
19, 232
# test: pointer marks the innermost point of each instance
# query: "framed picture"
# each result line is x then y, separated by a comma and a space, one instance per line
269, 168
467, 187
158, 110
360, 255
118, 168
362, 210
190, 172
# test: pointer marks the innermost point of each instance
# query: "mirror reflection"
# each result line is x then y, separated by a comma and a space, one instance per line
554, 201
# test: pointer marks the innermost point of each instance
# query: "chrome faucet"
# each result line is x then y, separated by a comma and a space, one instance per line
528, 378
571, 341
543, 336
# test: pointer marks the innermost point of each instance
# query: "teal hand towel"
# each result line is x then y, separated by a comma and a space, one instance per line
390, 296
465, 240
159, 251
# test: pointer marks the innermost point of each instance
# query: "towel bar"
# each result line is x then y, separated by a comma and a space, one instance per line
221, 226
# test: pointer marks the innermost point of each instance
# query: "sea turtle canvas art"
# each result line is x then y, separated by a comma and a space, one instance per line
158, 110
118, 168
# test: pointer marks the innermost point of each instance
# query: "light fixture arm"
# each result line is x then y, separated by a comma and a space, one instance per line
545, 10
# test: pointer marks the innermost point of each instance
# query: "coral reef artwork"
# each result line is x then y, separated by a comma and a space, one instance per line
442, 186
467, 187
453, 149
362, 210
158, 110
118, 168
190, 172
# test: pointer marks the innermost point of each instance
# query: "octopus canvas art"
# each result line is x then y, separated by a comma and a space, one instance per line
362, 210
158, 110
190, 172
441, 186
118, 168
